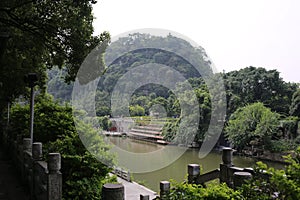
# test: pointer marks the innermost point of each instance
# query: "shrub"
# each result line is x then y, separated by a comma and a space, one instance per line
83, 175
192, 191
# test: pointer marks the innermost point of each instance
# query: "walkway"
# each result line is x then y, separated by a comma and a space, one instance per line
133, 190
10, 185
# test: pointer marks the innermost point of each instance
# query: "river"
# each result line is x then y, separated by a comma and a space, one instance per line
178, 169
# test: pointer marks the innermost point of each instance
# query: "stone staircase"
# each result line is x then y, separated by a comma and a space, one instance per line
151, 132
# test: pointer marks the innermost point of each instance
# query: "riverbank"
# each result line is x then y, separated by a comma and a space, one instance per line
265, 155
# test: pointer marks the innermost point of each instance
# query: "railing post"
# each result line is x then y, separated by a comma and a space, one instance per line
37, 154
193, 173
239, 178
54, 185
227, 162
26, 147
26, 144
37, 151
164, 188
227, 156
113, 191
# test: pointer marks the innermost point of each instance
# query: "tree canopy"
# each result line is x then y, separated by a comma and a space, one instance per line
295, 105
36, 35
251, 84
252, 125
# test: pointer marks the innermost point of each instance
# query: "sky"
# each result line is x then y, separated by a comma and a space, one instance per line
234, 33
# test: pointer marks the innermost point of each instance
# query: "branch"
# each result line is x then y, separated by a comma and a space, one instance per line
20, 5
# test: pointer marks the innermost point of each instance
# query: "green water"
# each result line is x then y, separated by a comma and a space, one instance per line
178, 169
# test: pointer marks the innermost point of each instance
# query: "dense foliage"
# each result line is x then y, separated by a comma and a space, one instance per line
257, 85
251, 85
295, 105
83, 174
281, 184
180, 191
252, 125
36, 35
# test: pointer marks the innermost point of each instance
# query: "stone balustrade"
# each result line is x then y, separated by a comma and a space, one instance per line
227, 173
43, 178
122, 174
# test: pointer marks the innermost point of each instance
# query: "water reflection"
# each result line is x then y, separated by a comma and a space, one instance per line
178, 169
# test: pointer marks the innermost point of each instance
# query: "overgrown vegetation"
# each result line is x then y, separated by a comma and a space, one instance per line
280, 184
83, 174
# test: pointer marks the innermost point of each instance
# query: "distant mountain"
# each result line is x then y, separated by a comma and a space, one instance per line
135, 50
138, 49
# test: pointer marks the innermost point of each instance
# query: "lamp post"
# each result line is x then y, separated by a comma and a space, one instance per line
32, 79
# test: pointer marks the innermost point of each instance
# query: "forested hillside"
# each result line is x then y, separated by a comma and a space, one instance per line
243, 87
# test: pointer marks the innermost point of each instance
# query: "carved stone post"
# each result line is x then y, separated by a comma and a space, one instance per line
113, 191
240, 177
164, 188
227, 162
25, 163
193, 173
54, 185
37, 153
26, 144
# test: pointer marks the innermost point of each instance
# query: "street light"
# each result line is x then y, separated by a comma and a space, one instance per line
31, 79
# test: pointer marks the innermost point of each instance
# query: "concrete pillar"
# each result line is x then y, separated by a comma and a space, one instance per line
113, 192
193, 172
240, 177
26, 144
37, 151
164, 188
144, 197
54, 184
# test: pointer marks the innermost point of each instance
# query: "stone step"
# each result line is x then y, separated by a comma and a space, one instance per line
138, 130
145, 135
154, 128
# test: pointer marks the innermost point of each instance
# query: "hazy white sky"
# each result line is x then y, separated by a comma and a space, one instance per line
234, 33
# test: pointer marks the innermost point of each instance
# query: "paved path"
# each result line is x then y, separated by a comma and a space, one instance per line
10, 184
133, 190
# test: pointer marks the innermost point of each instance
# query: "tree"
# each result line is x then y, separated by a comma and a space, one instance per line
252, 124
82, 173
57, 86
42, 34
136, 110
251, 85
295, 105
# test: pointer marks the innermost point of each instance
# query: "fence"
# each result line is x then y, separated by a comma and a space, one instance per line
227, 173
44, 179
